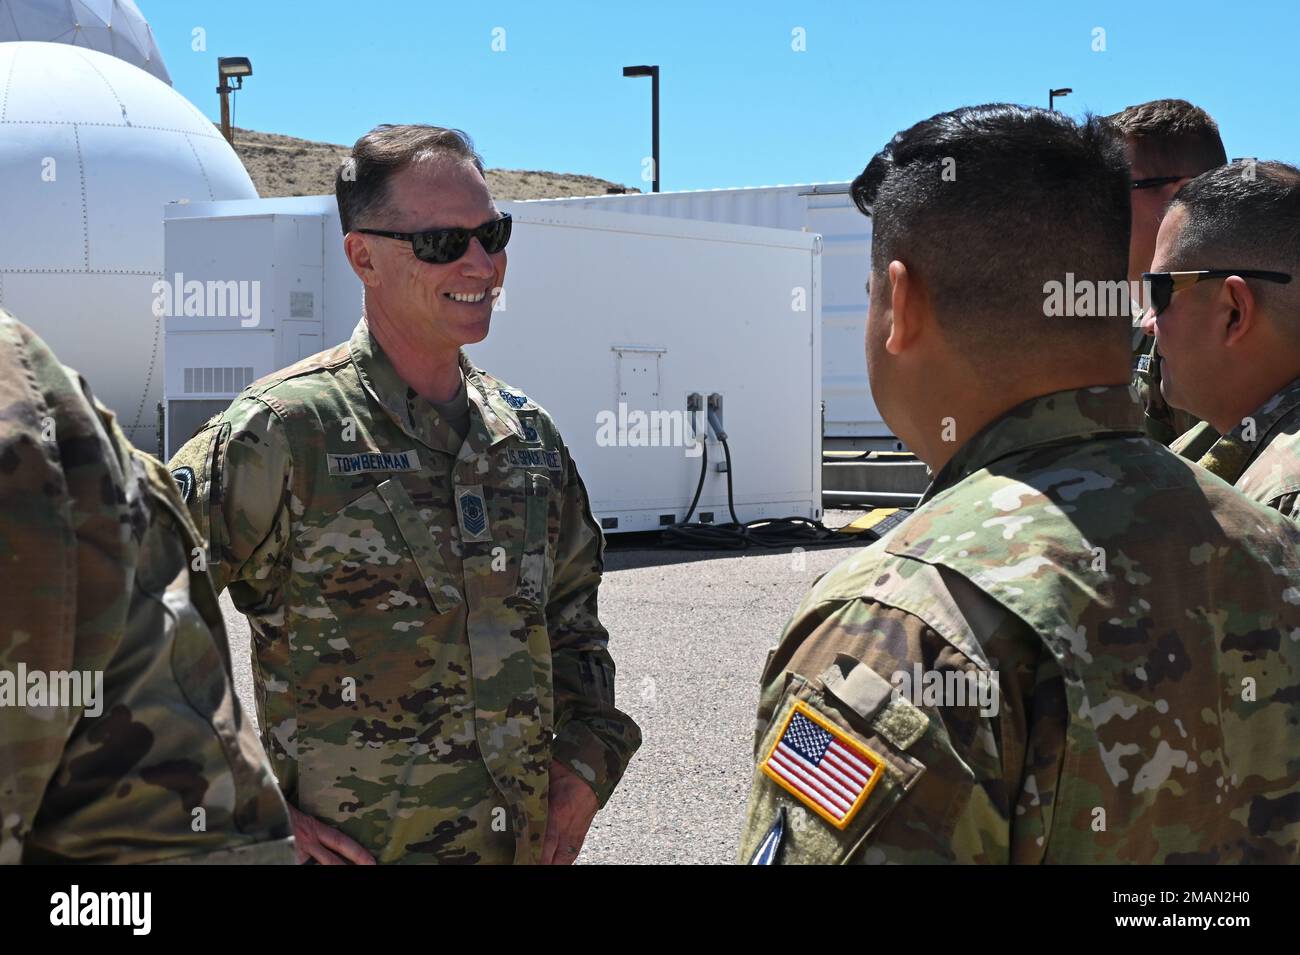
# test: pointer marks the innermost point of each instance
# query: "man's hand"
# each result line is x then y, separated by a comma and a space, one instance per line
573, 805
315, 840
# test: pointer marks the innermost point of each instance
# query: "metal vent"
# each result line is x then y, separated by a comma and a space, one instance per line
217, 381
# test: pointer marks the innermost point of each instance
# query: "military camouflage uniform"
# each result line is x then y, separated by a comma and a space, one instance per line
97, 551
1260, 457
1121, 599
423, 610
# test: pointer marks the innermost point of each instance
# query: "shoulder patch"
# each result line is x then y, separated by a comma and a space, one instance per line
821, 766
185, 481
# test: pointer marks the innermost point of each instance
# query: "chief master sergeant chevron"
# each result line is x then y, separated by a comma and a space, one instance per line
1135, 615
414, 549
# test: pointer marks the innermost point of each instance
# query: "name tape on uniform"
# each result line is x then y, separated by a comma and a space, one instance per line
369, 461
817, 763
530, 458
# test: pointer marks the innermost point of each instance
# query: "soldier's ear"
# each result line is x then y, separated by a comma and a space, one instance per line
1240, 310
907, 304
357, 249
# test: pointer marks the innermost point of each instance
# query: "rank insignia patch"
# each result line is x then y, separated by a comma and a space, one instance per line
473, 513
821, 766
513, 400
1143, 364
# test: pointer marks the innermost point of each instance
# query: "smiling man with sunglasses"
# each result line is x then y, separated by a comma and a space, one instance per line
414, 549
1226, 316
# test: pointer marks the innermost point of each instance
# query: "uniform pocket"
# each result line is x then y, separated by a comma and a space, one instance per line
537, 561
194, 469
374, 555
174, 597
441, 586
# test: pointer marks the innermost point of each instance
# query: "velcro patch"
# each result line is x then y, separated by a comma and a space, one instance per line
472, 513
531, 458
369, 461
821, 766
1143, 364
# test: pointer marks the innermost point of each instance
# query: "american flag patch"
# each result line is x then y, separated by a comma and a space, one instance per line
824, 769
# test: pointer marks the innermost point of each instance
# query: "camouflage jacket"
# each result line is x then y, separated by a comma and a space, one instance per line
1261, 456
424, 618
1135, 616
143, 754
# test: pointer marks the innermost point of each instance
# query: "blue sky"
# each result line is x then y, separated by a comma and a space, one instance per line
739, 105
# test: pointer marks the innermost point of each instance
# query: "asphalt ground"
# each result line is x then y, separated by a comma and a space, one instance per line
689, 631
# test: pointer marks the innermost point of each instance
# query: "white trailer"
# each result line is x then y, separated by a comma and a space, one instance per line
610, 322
852, 419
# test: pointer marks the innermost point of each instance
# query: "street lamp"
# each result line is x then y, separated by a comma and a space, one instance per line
1053, 95
653, 73
228, 68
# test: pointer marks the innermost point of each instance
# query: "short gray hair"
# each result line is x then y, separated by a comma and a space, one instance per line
361, 183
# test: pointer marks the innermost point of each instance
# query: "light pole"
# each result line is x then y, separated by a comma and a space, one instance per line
228, 68
653, 73
1053, 95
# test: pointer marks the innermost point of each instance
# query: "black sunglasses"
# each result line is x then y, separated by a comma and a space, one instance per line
441, 246
1163, 285
1155, 181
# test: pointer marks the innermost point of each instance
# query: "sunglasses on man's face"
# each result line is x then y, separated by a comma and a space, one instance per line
442, 246
1155, 182
1163, 285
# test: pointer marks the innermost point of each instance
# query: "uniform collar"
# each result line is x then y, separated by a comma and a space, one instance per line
1232, 453
490, 421
1047, 419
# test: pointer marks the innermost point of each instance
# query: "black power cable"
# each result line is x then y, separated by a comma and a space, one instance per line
764, 532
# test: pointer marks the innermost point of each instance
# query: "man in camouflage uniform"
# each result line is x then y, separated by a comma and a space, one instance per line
143, 755
1079, 647
1232, 341
414, 549
1168, 141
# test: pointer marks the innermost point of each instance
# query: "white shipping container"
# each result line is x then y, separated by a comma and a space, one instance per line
608, 321
825, 209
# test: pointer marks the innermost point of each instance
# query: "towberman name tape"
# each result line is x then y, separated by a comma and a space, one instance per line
369, 461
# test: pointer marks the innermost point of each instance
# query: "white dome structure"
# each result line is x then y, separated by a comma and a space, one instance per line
115, 27
91, 150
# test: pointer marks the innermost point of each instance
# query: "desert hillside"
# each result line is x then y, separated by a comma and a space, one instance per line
286, 166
